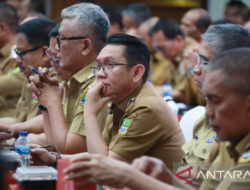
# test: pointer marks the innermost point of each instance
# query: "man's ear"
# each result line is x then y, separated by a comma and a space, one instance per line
138, 72
45, 57
2, 29
179, 38
87, 46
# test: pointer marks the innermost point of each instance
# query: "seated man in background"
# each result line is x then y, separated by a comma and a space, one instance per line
169, 39
11, 79
139, 122
82, 34
195, 22
30, 52
159, 65
114, 13
226, 74
132, 16
215, 41
35, 125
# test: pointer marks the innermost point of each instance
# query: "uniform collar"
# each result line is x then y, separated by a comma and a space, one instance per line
240, 148
5, 51
131, 98
84, 73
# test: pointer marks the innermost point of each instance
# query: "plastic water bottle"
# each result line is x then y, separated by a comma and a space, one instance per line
22, 147
167, 89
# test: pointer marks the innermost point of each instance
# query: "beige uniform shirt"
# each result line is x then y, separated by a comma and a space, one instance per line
158, 72
11, 81
27, 107
231, 159
144, 124
198, 149
193, 97
177, 73
75, 93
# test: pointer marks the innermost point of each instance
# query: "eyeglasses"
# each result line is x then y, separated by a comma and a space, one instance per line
200, 61
107, 67
52, 58
59, 39
162, 48
21, 53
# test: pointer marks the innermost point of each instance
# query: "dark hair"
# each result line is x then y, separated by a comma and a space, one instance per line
36, 31
114, 14
37, 5
9, 16
54, 31
237, 3
235, 66
203, 22
222, 22
169, 26
135, 50
138, 12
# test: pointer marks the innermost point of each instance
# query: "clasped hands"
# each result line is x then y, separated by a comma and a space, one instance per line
44, 88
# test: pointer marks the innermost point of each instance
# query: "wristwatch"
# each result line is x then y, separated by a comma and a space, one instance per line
41, 107
58, 156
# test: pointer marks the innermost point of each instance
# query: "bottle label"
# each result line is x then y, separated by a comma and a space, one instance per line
23, 150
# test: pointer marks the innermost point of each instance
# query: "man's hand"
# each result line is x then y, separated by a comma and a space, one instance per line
40, 156
4, 135
46, 93
94, 101
37, 82
190, 60
96, 169
153, 167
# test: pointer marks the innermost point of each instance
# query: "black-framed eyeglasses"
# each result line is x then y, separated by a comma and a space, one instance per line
52, 58
21, 53
59, 39
200, 61
107, 67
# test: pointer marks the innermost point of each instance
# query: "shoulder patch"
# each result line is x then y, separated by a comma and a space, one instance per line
125, 125
82, 101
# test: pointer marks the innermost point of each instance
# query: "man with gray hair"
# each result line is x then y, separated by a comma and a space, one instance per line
214, 41
82, 34
133, 16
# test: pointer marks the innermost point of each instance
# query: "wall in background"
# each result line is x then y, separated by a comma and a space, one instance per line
216, 8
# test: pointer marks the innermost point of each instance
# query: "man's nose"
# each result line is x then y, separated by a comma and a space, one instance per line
197, 69
209, 110
101, 73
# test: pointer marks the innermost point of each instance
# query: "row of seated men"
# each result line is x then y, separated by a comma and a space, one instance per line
75, 116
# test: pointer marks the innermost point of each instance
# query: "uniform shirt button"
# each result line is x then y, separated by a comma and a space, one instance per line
72, 96
204, 151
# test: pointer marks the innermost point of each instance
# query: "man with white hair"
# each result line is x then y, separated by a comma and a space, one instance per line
82, 34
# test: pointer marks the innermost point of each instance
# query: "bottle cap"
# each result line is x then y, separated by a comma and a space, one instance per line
23, 133
167, 83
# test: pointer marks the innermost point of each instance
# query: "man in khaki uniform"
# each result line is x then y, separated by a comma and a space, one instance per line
171, 42
30, 52
139, 121
229, 116
10, 78
159, 65
204, 137
64, 126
